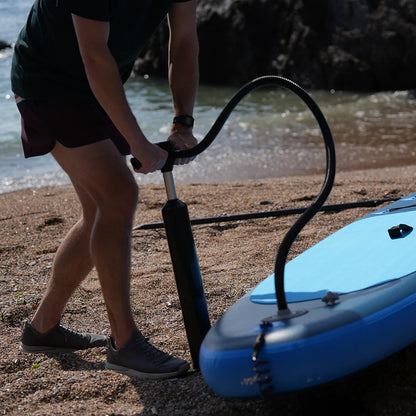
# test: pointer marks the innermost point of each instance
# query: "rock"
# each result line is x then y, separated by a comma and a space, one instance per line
364, 45
4, 45
14, 316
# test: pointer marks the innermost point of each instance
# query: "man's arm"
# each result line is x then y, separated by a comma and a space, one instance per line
183, 69
105, 82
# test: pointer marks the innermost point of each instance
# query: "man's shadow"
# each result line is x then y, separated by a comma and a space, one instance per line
71, 361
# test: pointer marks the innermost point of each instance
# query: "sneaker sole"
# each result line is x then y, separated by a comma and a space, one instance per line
140, 375
39, 349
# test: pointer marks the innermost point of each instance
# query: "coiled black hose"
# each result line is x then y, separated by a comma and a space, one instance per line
271, 80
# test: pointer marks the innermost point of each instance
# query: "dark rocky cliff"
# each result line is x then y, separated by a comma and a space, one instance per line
362, 45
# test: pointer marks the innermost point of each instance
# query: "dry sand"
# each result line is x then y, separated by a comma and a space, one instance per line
233, 258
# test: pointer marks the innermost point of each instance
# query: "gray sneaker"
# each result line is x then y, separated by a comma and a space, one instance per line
58, 339
139, 359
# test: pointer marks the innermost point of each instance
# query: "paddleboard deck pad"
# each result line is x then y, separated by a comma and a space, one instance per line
355, 292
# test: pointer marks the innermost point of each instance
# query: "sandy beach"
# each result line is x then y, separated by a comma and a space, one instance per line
233, 258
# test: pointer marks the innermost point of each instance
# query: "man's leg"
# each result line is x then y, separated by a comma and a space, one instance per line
71, 265
100, 171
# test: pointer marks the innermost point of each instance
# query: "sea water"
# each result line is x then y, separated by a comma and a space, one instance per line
270, 134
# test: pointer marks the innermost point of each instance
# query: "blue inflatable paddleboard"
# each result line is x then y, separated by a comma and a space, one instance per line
357, 293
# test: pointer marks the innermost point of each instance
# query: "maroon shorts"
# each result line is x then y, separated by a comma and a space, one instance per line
71, 122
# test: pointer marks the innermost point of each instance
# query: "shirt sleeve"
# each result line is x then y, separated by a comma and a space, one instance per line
90, 9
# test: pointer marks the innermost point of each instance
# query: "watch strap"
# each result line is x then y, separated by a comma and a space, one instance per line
184, 120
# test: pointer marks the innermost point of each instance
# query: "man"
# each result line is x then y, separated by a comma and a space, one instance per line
70, 62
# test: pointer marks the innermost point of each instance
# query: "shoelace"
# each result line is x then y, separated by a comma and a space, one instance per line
68, 332
151, 352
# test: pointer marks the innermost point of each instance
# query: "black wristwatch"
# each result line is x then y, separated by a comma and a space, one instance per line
185, 120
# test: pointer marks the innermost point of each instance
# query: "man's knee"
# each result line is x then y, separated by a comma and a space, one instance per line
121, 198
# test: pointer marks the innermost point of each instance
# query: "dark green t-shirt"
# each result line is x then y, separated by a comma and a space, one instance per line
47, 62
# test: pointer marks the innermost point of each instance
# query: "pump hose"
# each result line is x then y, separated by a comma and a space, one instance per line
272, 80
